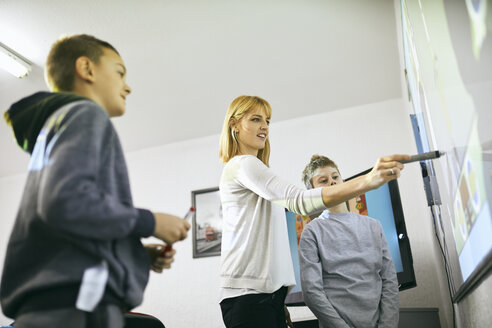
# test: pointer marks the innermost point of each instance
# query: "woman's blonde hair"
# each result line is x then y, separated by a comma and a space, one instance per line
229, 147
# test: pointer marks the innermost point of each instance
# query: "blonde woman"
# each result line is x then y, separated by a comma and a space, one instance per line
255, 266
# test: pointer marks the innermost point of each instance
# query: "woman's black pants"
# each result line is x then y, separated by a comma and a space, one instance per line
255, 310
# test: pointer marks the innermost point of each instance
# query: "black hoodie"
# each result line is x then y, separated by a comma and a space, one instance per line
76, 209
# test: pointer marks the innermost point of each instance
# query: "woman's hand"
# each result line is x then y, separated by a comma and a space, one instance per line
386, 169
160, 257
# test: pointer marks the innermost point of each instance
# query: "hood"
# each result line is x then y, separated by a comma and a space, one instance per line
28, 115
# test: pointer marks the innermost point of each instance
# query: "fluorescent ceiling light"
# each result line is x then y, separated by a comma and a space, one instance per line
13, 63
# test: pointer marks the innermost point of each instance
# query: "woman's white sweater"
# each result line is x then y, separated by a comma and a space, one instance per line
255, 248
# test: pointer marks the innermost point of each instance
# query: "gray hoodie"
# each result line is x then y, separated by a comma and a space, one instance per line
76, 210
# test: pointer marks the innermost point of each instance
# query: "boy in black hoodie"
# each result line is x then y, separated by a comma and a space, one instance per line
74, 257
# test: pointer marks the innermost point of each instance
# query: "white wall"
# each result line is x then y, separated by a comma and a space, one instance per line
162, 179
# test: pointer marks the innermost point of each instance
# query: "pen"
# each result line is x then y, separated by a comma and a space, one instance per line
424, 156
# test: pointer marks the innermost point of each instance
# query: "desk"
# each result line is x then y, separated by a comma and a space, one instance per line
300, 313
419, 317
302, 317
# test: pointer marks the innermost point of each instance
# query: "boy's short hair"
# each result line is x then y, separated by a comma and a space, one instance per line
316, 162
60, 64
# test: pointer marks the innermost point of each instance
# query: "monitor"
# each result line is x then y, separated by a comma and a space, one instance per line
383, 204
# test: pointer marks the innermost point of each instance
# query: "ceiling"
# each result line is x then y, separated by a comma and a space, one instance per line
187, 60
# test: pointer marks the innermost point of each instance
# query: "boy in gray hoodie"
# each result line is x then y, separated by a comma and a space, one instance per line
74, 258
347, 275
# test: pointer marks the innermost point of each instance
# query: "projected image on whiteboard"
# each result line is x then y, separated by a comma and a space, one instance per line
448, 61
473, 221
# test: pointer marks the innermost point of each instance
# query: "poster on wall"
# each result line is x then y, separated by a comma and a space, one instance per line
207, 222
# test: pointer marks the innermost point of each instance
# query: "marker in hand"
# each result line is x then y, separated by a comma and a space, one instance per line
424, 156
187, 218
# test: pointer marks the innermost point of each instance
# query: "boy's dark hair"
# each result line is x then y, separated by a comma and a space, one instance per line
316, 162
60, 64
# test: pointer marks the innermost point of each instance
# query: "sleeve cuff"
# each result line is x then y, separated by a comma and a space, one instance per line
316, 201
145, 225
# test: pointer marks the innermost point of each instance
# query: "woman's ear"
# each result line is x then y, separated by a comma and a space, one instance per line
232, 123
84, 69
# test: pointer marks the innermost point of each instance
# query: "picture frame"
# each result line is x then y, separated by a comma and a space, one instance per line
207, 222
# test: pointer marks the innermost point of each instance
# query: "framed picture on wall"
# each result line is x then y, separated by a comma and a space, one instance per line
207, 222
